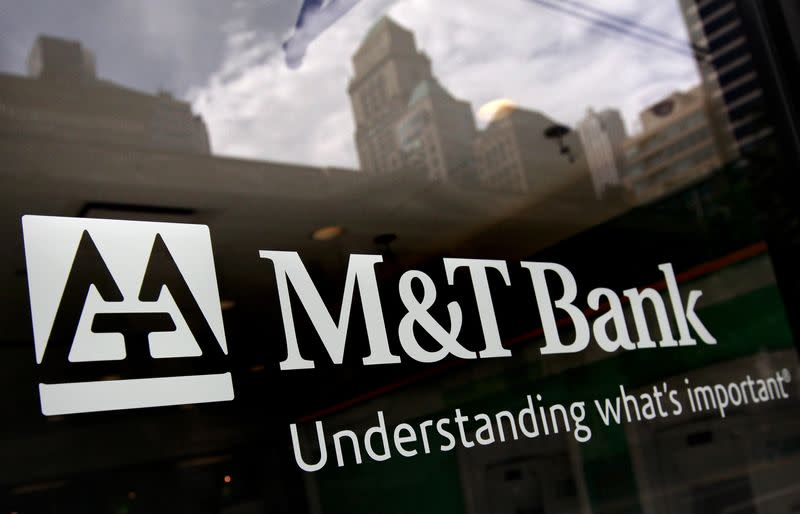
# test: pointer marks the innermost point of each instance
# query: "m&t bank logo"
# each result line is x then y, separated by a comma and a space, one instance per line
126, 314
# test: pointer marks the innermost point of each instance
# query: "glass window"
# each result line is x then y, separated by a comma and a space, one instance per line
348, 256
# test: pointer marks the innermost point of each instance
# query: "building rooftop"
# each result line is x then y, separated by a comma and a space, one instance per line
384, 23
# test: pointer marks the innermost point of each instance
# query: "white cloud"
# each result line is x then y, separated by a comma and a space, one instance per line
257, 107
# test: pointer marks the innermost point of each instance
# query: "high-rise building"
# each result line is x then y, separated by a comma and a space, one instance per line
54, 59
512, 153
729, 79
62, 98
602, 135
676, 146
405, 120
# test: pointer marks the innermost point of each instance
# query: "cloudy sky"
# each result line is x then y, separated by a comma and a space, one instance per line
226, 59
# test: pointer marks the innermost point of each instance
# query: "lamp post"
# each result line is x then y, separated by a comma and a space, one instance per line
557, 133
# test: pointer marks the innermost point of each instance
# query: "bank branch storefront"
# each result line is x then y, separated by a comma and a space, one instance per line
350, 256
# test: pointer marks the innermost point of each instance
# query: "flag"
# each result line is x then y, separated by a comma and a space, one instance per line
315, 16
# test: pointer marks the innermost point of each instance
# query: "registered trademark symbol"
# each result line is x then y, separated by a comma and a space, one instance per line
787, 377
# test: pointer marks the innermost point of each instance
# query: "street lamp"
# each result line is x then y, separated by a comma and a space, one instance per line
557, 133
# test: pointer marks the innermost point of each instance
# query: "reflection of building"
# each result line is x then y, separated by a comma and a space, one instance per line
249, 204
435, 132
58, 59
404, 118
62, 97
512, 153
727, 73
675, 148
602, 134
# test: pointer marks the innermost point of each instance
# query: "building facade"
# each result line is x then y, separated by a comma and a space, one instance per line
405, 120
729, 79
675, 148
513, 154
63, 97
602, 135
